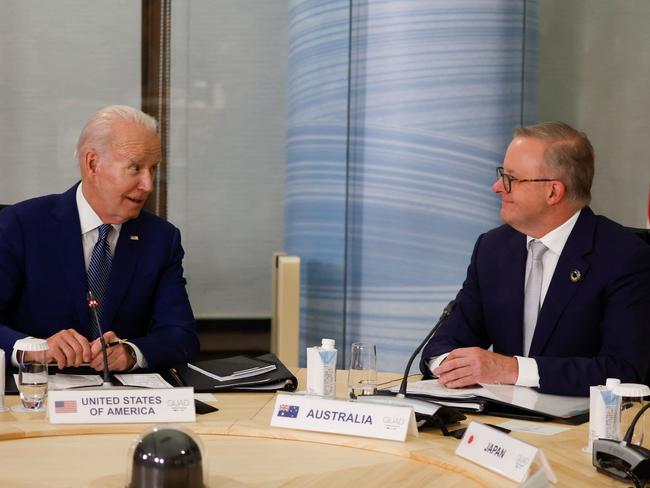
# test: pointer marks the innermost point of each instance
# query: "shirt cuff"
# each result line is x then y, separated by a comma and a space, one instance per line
528, 372
140, 360
435, 362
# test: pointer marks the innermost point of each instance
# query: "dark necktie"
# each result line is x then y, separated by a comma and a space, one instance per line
99, 270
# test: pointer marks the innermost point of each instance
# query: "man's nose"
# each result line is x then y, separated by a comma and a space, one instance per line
498, 187
146, 182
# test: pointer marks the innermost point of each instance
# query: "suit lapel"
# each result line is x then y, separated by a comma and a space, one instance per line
125, 260
513, 265
562, 288
66, 244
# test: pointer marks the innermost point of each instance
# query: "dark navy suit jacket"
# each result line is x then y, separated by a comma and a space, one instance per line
589, 330
43, 280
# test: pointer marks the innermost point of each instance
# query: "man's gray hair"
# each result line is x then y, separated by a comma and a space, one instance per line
98, 130
569, 153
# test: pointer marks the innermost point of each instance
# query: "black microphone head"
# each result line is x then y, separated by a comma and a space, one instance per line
167, 457
447, 310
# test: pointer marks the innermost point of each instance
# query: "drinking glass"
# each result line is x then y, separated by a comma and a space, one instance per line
362, 377
31, 354
632, 400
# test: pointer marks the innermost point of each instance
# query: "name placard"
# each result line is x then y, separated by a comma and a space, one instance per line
319, 414
126, 405
503, 454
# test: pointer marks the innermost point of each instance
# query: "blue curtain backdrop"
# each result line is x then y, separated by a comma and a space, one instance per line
398, 113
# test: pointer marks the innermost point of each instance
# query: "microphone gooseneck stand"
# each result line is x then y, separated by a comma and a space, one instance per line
428, 410
92, 305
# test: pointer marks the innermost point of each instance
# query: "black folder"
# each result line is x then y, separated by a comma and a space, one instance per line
499, 408
278, 379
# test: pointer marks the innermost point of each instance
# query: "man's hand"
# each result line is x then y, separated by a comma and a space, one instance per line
468, 366
68, 348
119, 356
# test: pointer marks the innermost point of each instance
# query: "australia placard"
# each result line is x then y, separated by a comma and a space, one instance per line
306, 412
124, 405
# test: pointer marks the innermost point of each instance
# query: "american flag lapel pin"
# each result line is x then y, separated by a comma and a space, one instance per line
134, 238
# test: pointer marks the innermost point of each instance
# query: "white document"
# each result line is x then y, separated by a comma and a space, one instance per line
68, 381
433, 388
143, 380
539, 428
244, 373
521, 396
206, 397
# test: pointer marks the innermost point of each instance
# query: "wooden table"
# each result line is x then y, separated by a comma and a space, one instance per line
242, 450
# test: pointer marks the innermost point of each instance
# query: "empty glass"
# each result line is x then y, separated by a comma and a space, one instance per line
632, 400
362, 376
31, 354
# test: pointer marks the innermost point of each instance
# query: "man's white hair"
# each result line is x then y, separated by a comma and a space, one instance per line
98, 130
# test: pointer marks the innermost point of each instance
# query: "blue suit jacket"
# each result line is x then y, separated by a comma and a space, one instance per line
43, 280
587, 331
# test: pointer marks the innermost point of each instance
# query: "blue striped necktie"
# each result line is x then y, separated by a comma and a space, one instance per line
99, 270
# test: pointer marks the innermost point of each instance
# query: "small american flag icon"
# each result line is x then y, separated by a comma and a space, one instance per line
65, 406
290, 411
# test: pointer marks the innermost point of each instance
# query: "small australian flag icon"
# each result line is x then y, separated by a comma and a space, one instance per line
290, 411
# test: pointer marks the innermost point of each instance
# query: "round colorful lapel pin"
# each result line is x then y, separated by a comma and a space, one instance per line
575, 276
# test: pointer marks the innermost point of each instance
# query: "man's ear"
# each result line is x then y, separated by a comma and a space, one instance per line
89, 163
556, 192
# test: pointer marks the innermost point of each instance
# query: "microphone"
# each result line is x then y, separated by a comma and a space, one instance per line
438, 414
444, 316
92, 305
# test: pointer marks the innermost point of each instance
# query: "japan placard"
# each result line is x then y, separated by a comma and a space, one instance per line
307, 412
502, 453
124, 405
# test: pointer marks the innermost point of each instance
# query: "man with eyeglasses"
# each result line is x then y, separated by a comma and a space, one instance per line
560, 294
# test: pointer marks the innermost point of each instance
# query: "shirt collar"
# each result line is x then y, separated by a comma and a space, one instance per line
88, 218
556, 239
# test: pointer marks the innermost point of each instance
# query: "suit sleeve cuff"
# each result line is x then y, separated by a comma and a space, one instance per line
435, 362
528, 372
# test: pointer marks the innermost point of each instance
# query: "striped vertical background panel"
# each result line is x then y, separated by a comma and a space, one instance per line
398, 113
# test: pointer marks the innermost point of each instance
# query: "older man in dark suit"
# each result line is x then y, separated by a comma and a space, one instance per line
96, 237
561, 295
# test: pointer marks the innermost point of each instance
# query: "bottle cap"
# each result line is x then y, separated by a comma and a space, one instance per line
611, 383
31, 344
328, 344
631, 390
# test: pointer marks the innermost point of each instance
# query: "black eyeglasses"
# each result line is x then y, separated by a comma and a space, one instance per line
508, 179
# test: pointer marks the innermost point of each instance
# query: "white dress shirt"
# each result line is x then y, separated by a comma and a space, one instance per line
555, 242
90, 223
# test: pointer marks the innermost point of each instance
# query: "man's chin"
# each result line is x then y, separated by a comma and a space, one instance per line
129, 215
506, 215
